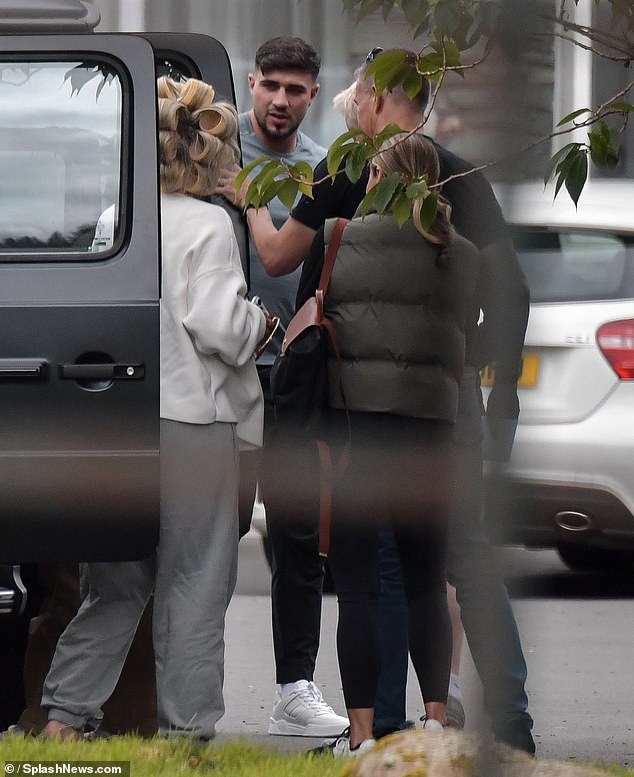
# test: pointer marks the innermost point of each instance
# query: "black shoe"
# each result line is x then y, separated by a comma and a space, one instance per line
340, 747
379, 733
516, 734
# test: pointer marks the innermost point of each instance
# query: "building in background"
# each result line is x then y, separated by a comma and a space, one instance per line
502, 106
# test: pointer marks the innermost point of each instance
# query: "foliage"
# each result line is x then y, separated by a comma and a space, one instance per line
80, 75
451, 31
168, 757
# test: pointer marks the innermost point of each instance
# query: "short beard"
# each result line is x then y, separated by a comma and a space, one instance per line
281, 135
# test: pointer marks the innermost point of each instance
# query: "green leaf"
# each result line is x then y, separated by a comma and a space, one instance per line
240, 178
385, 67
385, 192
556, 159
604, 146
252, 196
368, 7
288, 193
451, 55
336, 155
621, 107
387, 8
367, 202
340, 147
446, 18
398, 77
573, 115
461, 35
428, 210
302, 170
560, 180
577, 176
473, 39
271, 191
431, 65
355, 162
270, 171
412, 84
417, 189
415, 12
387, 132
402, 209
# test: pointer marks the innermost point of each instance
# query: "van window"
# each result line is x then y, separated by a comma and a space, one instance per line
575, 265
60, 159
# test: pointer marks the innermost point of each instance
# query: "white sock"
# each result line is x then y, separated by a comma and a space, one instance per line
286, 688
454, 686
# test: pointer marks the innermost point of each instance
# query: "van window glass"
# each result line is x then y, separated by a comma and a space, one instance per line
571, 266
60, 160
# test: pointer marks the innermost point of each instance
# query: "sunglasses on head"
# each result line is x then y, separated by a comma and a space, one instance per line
372, 55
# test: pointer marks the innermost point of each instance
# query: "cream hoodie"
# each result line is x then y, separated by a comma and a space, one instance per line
209, 329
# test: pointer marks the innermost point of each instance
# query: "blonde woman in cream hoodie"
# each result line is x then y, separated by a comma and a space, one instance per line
211, 406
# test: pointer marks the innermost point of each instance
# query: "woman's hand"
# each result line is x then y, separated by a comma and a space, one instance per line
226, 187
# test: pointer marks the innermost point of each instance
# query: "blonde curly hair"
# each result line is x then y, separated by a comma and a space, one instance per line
197, 136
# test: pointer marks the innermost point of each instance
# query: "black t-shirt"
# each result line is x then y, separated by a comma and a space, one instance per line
475, 211
501, 293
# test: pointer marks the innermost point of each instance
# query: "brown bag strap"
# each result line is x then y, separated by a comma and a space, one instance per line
330, 469
331, 254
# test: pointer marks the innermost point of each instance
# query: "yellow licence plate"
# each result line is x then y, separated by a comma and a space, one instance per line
528, 376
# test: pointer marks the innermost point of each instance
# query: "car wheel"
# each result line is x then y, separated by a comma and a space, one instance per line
585, 558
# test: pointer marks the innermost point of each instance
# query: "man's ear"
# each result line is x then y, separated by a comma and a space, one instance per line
378, 99
251, 79
314, 91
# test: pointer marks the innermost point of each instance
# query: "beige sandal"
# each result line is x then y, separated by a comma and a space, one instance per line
59, 730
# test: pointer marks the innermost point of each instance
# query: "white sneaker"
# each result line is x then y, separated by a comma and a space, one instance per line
340, 747
304, 713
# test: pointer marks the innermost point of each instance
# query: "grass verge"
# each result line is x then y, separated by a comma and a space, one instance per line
170, 758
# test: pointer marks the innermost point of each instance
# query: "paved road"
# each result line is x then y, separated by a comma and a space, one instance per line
577, 631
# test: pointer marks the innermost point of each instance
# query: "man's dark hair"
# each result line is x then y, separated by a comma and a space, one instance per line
287, 53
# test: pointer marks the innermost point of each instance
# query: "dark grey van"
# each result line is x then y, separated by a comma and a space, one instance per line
80, 280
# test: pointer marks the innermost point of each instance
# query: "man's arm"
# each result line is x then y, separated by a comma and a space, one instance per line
280, 251
505, 304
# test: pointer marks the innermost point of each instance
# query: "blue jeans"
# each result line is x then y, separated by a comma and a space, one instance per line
486, 612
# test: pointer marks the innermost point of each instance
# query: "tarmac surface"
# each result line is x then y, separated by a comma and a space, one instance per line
578, 637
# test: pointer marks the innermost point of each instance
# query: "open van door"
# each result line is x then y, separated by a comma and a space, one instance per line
79, 298
192, 55
80, 279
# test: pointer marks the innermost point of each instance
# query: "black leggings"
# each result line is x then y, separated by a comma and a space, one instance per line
398, 476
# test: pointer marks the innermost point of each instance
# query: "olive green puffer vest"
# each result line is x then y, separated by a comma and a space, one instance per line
400, 319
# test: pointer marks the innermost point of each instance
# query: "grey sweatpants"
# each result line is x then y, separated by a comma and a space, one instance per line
193, 574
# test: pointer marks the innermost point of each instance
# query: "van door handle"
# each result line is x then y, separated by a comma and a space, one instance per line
25, 369
124, 371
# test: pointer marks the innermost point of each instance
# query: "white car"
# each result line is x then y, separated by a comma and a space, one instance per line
569, 483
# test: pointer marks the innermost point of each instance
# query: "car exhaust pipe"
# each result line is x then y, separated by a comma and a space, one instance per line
13, 599
573, 522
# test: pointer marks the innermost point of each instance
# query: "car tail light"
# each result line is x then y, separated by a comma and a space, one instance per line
616, 341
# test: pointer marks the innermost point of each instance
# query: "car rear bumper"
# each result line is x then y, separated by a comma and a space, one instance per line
569, 482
